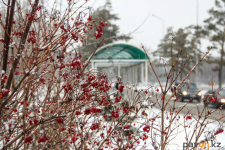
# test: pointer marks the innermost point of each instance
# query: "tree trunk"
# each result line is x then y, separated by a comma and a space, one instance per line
7, 37
219, 77
221, 66
22, 42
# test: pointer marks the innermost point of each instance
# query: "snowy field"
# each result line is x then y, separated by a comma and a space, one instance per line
178, 142
179, 139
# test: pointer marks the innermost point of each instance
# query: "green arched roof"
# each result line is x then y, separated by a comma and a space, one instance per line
119, 51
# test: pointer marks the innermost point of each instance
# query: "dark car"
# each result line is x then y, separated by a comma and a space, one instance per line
188, 91
216, 99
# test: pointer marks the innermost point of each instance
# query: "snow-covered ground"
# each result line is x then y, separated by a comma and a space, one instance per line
179, 139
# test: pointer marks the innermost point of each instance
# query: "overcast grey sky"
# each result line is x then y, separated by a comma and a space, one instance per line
175, 13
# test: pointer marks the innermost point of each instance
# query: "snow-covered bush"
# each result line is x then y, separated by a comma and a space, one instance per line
50, 100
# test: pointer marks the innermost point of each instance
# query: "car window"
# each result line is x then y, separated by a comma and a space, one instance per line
192, 86
222, 93
209, 92
177, 84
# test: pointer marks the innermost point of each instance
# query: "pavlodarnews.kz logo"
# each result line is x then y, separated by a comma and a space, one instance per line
210, 145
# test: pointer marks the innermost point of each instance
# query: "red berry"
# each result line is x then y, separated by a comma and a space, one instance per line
146, 128
60, 120
36, 121
188, 117
218, 131
31, 122
28, 139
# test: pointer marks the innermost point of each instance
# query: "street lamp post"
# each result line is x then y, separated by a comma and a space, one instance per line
163, 26
163, 23
196, 52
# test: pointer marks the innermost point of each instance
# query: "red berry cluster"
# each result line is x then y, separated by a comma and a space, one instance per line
77, 112
65, 75
2, 40
115, 114
73, 139
88, 111
71, 130
42, 80
43, 139
94, 126
31, 39
63, 129
126, 126
104, 101
4, 78
96, 110
18, 33
102, 135
60, 120
103, 84
105, 116
74, 36
146, 128
55, 24
218, 131
17, 73
63, 28
4, 92
188, 117
120, 88
14, 110
144, 137
129, 146
212, 99
28, 139
117, 99
125, 109
38, 8
21, 103
91, 78
99, 33
7, 139
32, 32
75, 63
188, 88
31, 122
89, 18
119, 139
30, 17
129, 136
109, 130
67, 88
178, 98
36, 121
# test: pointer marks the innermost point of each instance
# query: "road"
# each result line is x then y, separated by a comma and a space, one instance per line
191, 108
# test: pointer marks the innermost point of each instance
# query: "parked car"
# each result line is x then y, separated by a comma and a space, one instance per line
188, 91
216, 99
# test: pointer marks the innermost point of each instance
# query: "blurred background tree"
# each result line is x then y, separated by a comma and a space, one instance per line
214, 30
184, 40
110, 32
